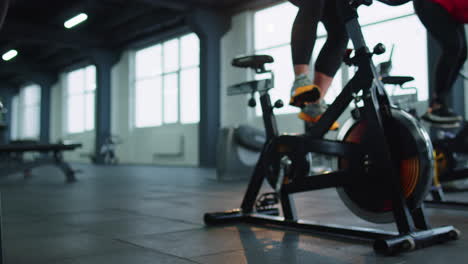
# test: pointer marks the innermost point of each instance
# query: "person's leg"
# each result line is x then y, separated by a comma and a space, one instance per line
303, 37
464, 50
328, 62
331, 56
446, 31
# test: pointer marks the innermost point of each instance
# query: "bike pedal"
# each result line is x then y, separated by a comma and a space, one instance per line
267, 202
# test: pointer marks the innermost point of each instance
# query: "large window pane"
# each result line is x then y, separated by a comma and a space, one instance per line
90, 78
284, 78
31, 122
32, 95
75, 82
171, 100
171, 55
15, 117
148, 103
177, 94
410, 55
380, 12
148, 62
75, 114
190, 47
81, 99
190, 96
89, 111
273, 25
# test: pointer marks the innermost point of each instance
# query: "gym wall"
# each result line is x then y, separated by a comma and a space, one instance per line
174, 145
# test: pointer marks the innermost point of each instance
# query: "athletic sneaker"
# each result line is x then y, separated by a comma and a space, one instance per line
303, 91
312, 113
442, 115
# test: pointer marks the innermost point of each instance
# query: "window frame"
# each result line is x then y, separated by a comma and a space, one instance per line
162, 76
84, 92
20, 110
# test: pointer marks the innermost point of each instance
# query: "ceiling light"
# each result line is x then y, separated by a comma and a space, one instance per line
9, 55
78, 19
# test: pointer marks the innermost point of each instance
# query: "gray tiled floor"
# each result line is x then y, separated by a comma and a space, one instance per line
136, 214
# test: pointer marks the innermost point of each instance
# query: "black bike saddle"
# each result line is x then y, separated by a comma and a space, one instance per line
252, 61
397, 80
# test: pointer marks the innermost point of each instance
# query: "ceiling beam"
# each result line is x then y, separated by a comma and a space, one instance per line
120, 18
48, 35
144, 26
24, 69
179, 5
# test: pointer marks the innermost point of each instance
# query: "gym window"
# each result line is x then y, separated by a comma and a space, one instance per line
273, 37
167, 83
399, 26
80, 99
389, 25
26, 113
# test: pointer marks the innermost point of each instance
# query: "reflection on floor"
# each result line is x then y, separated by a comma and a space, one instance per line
133, 214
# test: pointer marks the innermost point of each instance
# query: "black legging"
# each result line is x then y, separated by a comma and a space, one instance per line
304, 35
450, 35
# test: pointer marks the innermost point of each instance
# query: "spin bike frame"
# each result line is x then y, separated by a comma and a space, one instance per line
376, 110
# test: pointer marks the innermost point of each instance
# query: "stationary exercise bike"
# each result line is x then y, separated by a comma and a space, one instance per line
385, 160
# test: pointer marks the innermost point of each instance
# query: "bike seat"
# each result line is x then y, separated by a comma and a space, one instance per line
397, 80
252, 61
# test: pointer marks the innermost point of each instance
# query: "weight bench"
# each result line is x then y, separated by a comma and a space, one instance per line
12, 158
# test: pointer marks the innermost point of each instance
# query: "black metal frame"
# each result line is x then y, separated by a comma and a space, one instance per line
452, 173
413, 228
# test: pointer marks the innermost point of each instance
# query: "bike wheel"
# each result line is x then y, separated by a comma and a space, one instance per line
411, 151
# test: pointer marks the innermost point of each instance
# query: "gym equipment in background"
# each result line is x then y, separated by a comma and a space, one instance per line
107, 151
450, 142
238, 150
385, 160
12, 158
451, 155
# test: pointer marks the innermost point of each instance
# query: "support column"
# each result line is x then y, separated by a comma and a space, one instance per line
104, 61
46, 87
6, 94
210, 27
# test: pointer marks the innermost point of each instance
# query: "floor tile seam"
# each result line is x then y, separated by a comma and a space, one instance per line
219, 253
83, 225
51, 236
75, 225
153, 234
153, 250
168, 218
136, 216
